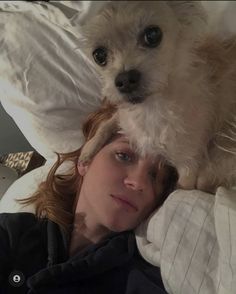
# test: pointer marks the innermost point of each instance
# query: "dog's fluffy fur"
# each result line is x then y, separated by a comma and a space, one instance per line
188, 85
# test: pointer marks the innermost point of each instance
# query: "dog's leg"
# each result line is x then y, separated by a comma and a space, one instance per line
96, 143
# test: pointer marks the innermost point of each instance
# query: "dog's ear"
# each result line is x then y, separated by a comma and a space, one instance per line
188, 12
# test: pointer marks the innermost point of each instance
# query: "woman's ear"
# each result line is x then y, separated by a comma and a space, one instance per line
82, 168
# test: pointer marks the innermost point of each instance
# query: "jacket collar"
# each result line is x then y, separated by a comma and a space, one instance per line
112, 252
57, 244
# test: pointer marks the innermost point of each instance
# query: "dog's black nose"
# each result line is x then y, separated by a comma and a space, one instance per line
128, 81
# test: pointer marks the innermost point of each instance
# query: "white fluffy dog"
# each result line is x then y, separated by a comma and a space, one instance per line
174, 84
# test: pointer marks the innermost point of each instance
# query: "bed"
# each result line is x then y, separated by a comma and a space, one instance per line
48, 87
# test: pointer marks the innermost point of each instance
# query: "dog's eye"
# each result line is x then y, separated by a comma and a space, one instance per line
151, 37
100, 56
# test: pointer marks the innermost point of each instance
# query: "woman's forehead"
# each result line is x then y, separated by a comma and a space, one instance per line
119, 138
124, 140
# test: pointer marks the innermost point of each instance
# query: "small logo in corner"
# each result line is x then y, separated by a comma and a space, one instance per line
16, 278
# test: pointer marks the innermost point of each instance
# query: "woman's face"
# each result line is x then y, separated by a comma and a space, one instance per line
119, 188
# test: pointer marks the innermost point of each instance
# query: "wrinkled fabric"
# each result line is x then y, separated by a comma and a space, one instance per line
47, 85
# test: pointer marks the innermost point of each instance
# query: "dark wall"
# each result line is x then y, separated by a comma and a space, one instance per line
11, 138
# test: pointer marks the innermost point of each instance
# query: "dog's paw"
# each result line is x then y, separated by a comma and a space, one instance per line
88, 151
85, 157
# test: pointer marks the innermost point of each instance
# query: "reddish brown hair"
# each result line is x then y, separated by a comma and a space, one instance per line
55, 197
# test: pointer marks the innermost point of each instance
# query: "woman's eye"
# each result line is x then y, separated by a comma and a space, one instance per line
123, 156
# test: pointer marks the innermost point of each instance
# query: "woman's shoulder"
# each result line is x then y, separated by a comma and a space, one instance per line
20, 230
17, 219
17, 224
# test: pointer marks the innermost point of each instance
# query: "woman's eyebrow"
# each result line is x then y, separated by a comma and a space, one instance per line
124, 141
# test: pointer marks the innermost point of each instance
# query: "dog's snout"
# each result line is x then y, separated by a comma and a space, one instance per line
128, 81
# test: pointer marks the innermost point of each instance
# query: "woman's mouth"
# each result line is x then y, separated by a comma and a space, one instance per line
124, 202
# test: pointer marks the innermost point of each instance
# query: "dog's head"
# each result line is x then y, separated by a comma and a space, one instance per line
139, 45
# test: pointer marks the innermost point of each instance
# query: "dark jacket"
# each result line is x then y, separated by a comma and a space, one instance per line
34, 259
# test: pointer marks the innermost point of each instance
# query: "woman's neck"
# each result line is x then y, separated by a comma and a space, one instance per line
85, 232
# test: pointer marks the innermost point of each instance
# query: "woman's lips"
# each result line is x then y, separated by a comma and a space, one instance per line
122, 200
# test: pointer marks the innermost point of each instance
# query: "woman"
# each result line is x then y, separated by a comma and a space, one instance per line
81, 239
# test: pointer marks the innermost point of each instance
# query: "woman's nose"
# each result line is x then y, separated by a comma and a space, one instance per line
136, 180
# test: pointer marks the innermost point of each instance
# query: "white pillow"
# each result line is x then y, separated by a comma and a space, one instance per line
192, 238
46, 84
25, 186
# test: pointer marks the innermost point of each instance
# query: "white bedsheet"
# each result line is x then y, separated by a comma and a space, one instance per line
193, 240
